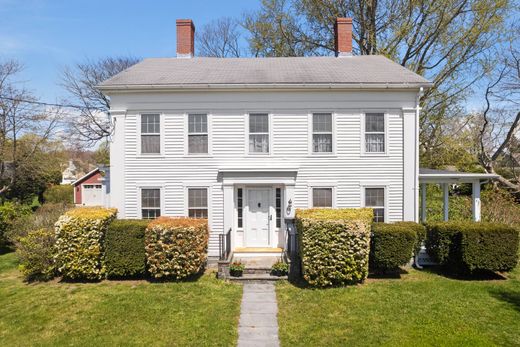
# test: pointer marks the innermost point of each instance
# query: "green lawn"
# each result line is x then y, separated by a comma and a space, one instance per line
421, 308
204, 312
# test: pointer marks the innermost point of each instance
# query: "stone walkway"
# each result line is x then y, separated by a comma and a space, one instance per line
258, 324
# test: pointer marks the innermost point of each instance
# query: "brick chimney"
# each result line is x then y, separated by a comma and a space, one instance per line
185, 38
343, 39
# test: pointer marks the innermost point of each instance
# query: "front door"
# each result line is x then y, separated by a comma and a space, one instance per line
257, 223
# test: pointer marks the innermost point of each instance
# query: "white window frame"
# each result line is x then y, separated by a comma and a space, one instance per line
140, 199
328, 185
187, 202
209, 118
161, 134
364, 133
269, 133
235, 215
310, 120
376, 185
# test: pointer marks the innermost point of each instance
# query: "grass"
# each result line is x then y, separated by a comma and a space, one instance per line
203, 313
423, 308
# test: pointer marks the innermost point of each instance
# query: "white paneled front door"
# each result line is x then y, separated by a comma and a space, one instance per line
257, 222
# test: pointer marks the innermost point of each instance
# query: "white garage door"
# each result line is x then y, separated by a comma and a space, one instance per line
92, 195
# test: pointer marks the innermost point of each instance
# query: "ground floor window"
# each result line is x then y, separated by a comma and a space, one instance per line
278, 207
321, 197
375, 198
198, 202
150, 203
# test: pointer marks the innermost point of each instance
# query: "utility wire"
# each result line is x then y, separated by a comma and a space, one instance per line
49, 104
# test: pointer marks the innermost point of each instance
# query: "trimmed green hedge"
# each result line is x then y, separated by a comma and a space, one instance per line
420, 231
334, 245
473, 246
391, 245
124, 248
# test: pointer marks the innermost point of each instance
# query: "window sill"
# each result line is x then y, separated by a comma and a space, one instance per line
151, 156
198, 156
375, 155
322, 155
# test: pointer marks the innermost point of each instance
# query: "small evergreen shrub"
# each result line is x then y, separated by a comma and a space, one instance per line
176, 247
334, 245
391, 246
36, 255
59, 194
80, 235
124, 248
473, 246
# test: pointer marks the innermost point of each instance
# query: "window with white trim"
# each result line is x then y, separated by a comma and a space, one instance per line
197, 133
322, 133
198, 202
150, 203
150, 134
321, 197
375, 198
375, 133
259, 133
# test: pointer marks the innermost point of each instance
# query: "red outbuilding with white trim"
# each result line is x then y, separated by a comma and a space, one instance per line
89, 189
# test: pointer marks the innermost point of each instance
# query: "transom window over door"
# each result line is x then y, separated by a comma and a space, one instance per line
150, 203
322, 133
150, 134
197, 133
198, 202
375, 198
374, 133
258, 133
321, 197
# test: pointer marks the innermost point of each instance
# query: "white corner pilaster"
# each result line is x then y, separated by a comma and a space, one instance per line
229, 208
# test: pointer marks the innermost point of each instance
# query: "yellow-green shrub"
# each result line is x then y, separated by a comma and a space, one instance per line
176, 247
79, 242
36, 255
334, 245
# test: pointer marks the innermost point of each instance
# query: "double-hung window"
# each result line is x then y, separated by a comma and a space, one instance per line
322, 133
321, 197
198, 202
375, 133
197, 134
150, 134
258, 133
150, 203
375, 198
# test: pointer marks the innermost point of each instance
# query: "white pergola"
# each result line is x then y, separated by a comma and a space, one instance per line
445, 178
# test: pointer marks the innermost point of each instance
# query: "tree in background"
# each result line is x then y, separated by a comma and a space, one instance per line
219, 38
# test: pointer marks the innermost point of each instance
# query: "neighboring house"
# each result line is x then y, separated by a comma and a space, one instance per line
90, 190
245, 142
69, 175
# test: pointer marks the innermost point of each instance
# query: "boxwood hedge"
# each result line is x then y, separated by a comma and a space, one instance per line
334, 245
391, 246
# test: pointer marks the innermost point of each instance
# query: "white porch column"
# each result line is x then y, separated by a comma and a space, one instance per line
476, 200
446, 197
423, 202
229, 208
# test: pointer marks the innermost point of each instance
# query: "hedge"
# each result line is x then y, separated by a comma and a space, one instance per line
334, 245
79, 242
420, 231
176, 247
35, 252
473, 246
124, 248
59, 194
391, 245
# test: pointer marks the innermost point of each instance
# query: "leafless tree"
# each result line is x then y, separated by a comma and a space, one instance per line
220, 38
92, 123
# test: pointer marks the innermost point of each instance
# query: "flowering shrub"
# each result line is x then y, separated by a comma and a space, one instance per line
79, 242
176, 247
334, 245
280, 269
236, 269
36, 255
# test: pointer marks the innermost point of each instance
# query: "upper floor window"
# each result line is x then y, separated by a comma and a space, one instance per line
150, 133
375, 198
321, 197
258, 133
197, 133
322, 133
150, 203
375, 133
198, 202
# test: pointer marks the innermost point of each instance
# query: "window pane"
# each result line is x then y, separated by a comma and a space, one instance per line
322, 122
197, 198
322, 143
150, 123
375, 197
322, 197
150, 198
150, 144
198, 213
198, 144
151, 213
379, 214
374, 122
258, 123
259, 143
374, 143
197, 123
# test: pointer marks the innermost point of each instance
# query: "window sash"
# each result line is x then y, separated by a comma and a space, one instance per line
258, 123
375, 128
259, 143
150, 203
322, 134
150, 124
197, 144
375, 198
197, 124
322, 123
198, 203
150, 144
322, 197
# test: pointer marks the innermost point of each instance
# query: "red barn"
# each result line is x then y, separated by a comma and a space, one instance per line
89, 189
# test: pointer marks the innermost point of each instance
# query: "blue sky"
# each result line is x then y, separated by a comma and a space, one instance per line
47, 35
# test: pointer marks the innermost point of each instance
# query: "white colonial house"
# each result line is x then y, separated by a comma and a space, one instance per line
247, 141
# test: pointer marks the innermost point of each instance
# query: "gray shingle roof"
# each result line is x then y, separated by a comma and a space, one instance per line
197, 72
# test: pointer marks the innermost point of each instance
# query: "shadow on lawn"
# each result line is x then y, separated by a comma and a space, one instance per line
464, 276
511, 297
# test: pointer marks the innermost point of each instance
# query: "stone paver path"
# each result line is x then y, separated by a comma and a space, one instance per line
258, 324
